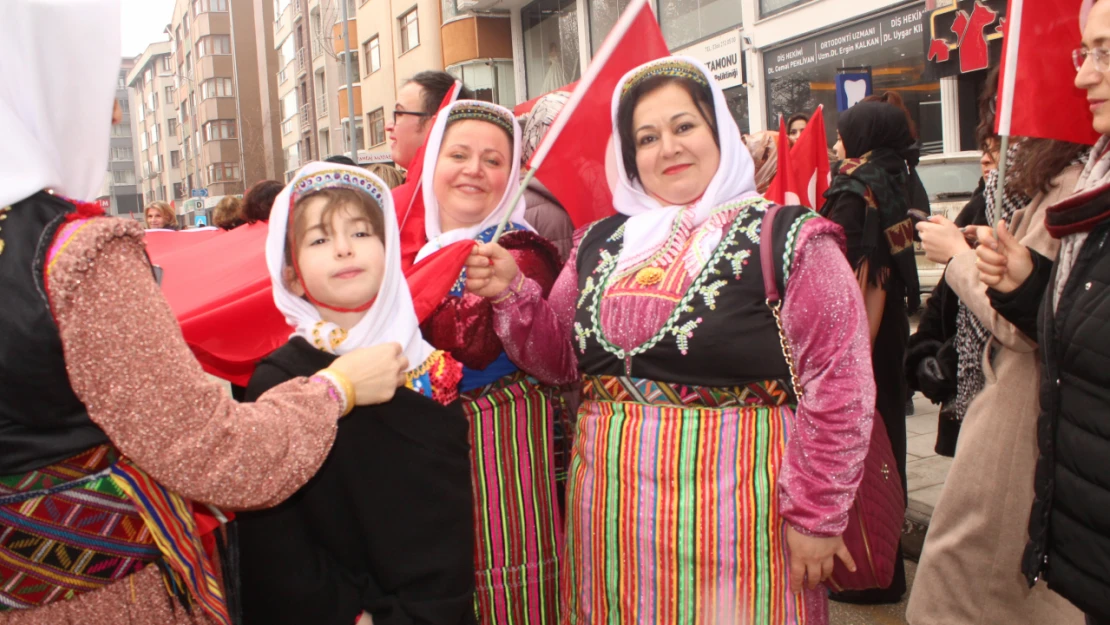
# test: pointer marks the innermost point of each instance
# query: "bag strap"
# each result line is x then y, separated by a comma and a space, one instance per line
771, 289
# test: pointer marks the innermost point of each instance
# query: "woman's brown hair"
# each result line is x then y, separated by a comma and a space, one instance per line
336, 198
700, 94
227, 214
259, 199
166, 210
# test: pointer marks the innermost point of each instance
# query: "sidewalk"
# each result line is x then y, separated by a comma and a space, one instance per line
925, 470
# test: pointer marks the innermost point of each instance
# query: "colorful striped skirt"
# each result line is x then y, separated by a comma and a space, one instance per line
672, 506
518, 532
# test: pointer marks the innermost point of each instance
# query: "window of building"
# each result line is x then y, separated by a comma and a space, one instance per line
603, 16
124, 105
159, 163
166, 67
144, 141
770, 7
123, 176
152, 100
354, 67
279, 8
287, 52
216, 88
684, 21
491, 81
371, 50
171, 127
325, 141
147, 76
214, 45
360, 140
122, 84
160, 193
376, 121
188, 62
410, 31
220, 129
185, 23
123, 154
292, 157
551, 58
207, 6
155, 134
169, 96
351, 9
223, 172
288, 104
175, 158
121, 130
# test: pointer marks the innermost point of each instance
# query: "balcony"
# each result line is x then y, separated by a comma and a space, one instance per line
322, 106
297, 12
302, 62
306, 119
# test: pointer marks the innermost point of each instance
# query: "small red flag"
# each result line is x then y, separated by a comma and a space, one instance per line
809, 159
408, 202
1040, 36
783, 189
571, 159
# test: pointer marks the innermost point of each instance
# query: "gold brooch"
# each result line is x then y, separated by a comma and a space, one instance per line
885, 471
649, 276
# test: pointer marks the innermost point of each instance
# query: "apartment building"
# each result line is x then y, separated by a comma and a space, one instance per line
120, 193
222, 101
158, 136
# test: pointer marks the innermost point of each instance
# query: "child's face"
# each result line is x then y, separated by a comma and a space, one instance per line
341, 262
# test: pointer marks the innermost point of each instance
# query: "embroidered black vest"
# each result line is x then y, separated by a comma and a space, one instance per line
721, 333
41, 420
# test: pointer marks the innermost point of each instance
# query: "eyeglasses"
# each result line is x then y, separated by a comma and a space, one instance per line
1099, 56
399, 113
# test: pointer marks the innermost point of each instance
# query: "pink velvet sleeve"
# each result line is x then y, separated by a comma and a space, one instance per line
129, 364
825, 322
536, 332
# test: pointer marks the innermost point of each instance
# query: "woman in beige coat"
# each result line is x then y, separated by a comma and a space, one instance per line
970, 567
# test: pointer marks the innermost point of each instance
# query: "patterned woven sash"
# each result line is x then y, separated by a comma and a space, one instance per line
641, 391
67, 529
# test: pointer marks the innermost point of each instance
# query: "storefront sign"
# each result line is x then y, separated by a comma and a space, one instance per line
852, 86
891, 29
365, 157
724, 57
965, 36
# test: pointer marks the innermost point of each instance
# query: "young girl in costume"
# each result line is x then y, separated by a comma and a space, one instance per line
386, 526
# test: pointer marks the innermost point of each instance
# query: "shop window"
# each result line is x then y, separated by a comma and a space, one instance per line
551, 57
802, 75
770, 7
376, 121
603, 16
685, 21
410, 31
491, 81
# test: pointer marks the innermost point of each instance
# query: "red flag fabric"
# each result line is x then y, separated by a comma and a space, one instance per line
219, 289
783, 189
809, 159
407, 201
525, 107
571, 159
1050, 107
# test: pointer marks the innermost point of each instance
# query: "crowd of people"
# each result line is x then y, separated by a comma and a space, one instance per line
664, 416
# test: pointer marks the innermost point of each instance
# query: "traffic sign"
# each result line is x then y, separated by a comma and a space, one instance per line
200, 221
200, 192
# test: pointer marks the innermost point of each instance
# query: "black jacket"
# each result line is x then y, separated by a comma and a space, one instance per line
1069, 527
385, 526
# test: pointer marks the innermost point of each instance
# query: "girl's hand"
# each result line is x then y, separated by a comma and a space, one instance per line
941, 239
1004, 264
490, 269
811, 558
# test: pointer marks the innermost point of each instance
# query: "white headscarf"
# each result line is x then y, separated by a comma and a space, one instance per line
650, 223
58, 77
467, 109
391, 318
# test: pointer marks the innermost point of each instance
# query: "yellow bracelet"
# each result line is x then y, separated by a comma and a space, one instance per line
345, 387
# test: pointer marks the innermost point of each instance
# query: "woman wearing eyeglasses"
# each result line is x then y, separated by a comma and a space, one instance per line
1069, 528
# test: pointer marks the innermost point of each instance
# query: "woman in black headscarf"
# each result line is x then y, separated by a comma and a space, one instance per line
868, 199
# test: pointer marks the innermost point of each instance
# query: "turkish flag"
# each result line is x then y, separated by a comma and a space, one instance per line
783, 189
219, 289
809, 160
1044, 102
407, 199
571, 159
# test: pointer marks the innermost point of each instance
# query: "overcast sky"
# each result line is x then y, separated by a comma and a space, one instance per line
143, 23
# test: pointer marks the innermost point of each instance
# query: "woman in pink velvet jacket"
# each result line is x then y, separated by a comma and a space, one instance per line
705, 484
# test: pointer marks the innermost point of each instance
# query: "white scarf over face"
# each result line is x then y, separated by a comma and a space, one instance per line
58, 77
391, 318
437, 238
650, 221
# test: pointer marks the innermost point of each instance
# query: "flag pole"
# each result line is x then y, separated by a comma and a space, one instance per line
1006, 105
516, 199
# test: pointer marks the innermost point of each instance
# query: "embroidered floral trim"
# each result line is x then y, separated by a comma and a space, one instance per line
438, 378
737, 260
752, 212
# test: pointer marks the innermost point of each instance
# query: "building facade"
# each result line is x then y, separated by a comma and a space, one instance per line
222, 100
120, 194
157, 142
